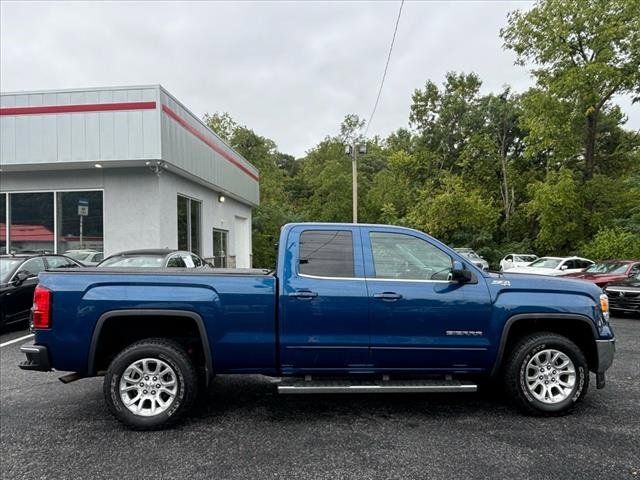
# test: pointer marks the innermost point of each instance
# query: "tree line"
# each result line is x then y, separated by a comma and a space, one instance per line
551, 170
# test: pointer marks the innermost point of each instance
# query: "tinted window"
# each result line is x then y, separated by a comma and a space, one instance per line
59, 262
196, 260
176, 262
406, 257
7, 266
33, 266
326, 253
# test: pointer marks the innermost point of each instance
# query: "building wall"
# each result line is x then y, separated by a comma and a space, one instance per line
214, 215
28, 139
119, 127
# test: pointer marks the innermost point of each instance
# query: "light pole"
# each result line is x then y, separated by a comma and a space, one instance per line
353, 150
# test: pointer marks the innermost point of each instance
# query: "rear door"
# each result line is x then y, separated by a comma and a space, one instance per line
420, 319
324, 318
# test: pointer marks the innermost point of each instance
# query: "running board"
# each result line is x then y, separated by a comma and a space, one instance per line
288, 386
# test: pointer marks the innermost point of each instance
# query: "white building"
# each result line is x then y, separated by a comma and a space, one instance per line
116, 169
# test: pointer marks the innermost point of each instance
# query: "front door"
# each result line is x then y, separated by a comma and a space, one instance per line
324, 323
420, 319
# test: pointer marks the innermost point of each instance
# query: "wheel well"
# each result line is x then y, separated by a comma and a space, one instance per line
117, 332
578, 331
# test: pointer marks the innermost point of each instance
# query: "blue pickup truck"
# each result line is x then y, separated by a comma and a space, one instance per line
350, 308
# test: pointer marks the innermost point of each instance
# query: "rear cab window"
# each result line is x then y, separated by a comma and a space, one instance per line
326, 253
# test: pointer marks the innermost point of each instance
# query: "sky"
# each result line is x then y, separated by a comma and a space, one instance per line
290, 71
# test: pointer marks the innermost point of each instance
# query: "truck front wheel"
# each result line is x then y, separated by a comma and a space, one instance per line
546, 374
151, 384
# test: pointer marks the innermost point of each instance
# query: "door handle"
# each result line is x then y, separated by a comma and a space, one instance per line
304, 294
388, 296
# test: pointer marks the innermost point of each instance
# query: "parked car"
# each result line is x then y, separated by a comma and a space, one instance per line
89, 258
159, 258
602, 273
624, 295
18, 279
350, 308
472, 256
554, 266
514, 260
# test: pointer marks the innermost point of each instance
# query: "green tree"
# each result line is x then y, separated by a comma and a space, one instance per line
584, 52
457, 214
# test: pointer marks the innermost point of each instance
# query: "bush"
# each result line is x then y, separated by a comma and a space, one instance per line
612, 243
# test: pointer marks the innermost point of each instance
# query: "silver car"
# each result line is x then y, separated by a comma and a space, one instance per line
473, 257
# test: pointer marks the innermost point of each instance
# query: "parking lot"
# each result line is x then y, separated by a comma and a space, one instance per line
244, 430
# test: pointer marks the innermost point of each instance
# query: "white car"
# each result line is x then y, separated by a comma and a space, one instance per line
554, 266
514, 260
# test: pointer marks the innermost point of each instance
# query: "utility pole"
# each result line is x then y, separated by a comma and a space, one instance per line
353, 150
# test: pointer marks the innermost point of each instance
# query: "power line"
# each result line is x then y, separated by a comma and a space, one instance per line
386, 67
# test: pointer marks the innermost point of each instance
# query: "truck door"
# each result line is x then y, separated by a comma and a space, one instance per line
324, 317
420, 319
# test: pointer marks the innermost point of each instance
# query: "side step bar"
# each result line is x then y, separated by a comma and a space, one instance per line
390, 386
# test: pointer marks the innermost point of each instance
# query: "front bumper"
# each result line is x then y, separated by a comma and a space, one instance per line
37, 358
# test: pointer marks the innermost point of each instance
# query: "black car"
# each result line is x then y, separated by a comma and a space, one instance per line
159, 258
18, 279
624, 296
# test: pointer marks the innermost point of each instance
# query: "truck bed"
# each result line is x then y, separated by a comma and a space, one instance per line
237, 308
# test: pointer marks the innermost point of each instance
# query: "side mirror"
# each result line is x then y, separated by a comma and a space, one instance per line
509, 260
459, 273
20, 277
563, 267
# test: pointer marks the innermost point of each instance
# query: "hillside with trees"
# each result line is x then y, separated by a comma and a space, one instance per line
551, 170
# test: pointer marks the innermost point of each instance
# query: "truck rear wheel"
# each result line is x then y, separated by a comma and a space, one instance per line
546, 374
151, 384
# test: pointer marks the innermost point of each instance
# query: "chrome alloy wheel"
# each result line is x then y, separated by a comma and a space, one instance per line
550, 376
148, 387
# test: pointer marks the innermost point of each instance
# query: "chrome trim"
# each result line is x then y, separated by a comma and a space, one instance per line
368, 279
293, 389
429, 348
314, 347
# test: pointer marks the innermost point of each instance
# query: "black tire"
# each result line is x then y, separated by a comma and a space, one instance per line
516, 369
174, 356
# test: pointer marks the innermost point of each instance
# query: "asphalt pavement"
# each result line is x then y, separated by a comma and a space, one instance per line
246, 431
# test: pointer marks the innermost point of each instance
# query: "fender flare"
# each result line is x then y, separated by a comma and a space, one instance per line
535, 316
151, 313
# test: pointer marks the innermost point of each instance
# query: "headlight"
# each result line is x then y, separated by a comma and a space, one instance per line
604, 306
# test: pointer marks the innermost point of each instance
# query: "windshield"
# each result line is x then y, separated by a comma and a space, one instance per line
546, 263
79, 255
609, 267
524, 258
147, 261
7, 265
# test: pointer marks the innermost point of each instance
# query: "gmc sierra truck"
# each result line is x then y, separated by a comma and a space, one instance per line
350, 308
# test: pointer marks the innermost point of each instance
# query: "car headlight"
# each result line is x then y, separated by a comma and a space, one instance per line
604, 306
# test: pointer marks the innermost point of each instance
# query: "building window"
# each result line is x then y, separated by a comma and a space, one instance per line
3, 223
79, 221
326, 253
189, 224
51, 221
220, 238
31, 225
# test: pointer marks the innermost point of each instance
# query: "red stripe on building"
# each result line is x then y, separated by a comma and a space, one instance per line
87, 107
216, 148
